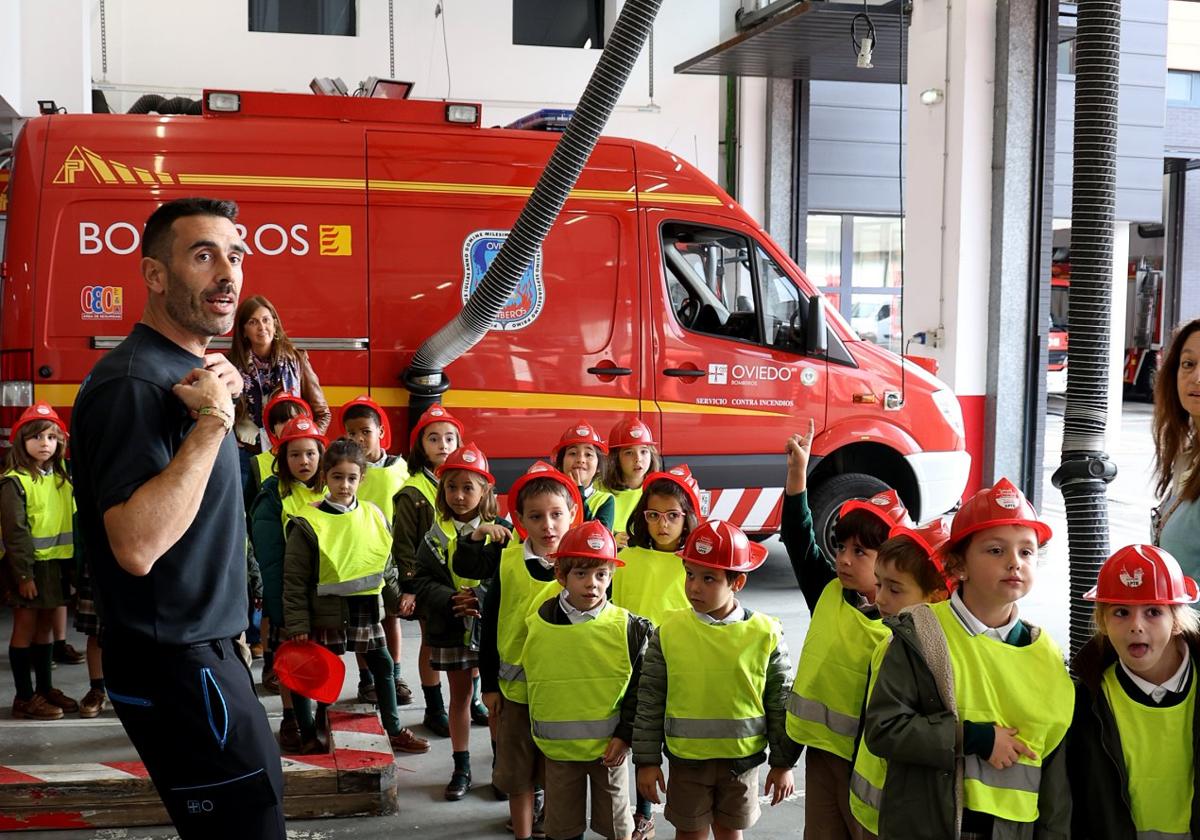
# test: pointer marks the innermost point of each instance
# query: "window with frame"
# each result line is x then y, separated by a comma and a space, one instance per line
304, 17
559, 23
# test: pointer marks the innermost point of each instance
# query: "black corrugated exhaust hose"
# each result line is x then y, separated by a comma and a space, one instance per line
424, 378
1086, 469
152, 103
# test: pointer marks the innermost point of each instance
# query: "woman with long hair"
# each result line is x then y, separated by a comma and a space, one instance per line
1176, 520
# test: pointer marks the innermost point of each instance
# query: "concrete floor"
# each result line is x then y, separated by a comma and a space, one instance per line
423, 811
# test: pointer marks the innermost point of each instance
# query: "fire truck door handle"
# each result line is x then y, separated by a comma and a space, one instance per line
686, 373
610, 371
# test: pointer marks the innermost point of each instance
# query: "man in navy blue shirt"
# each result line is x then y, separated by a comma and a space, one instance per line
158, 490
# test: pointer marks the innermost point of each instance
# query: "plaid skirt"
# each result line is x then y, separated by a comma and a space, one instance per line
86, 620
361, 632
460, 658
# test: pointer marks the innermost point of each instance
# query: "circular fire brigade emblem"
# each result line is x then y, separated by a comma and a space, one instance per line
1008, 499
595, 543
303, 425
635, 433
469, 457
43, 409
704, 546
527, 300
880, 501
581, 431
808, 376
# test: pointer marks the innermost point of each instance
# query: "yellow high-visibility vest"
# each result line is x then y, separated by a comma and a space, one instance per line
520, 595
298, 498
624, 501
870, 771
264, 463
576, 676
716, 676
826, 702
49, 507
650, 584
379, 485
354, 549
1156, 743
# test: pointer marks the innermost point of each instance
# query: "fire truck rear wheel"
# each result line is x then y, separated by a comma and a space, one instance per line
827, 498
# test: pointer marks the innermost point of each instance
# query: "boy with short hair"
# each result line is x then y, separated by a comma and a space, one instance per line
714, 683
582, 659
546, 504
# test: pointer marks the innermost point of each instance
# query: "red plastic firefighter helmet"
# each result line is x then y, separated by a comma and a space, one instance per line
469, 458
681, 476
434, 414
932, 537
991, 507
581, 431
280, 399
1143, 574
591, 540
886, 506
299, 428
385, 433
38, 411
311, 670
630, 432
721, 545
541, 469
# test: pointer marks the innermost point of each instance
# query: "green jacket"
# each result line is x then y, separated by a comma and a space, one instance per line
434, 588
911, 722
648, 738
413, 518
266, 537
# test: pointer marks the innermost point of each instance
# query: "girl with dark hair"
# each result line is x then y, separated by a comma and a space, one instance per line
1176, 520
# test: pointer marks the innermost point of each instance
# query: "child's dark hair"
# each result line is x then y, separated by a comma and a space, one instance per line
344, 449
565, 565
906, 555
282, 412
868, 529
639, 529
416, 459
488, 508
601, 460
362, 412
284, 472
20, 460
538, 486
614, 479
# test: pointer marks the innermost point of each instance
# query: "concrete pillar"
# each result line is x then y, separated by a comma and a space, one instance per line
781, 160
752, 147
56, 55
1188, 269
1116, 335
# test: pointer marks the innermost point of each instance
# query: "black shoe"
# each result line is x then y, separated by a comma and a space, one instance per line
479, 714
366, 693
460, 783
438, 723
500, 795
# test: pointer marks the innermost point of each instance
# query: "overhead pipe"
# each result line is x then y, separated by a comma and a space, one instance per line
1086, 469
425, 379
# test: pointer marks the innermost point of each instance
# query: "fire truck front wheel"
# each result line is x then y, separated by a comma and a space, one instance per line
827, 498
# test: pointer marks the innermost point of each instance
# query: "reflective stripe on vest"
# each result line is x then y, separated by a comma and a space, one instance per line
1159, 763
520, 595
870, 771
716, 676
576, 675
354, 548
624, 501
826, 702
992, 681
49, 508
650, 584
298, 498
380, 485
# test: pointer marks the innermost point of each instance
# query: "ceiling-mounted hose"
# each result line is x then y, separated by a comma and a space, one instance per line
152, 103
424, 377
1086, 468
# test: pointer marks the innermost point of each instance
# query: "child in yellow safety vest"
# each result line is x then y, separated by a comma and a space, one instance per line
364, 421
36, 510
437, 433
276, 413
713, 685
632, 455
826, 702
335, 565
299, 447
582, 660
970, 703
546, 505
908, 571
1132, 750
450, 603
580, 453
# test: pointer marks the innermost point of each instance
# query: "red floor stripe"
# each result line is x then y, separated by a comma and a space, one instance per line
8, 776
133, 768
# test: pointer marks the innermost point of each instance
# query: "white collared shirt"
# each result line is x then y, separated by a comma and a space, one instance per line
465, 528
976, 627
579, 616
340, 508
531, 555
378, 463
738, 614
1174, 685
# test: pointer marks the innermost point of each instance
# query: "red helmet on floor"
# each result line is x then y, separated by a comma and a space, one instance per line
591, 540
630, 432
681, 476
385, 431
580, 432
721, 545
992, 507
541, 469
932, 537
299, 428
886, 506
311, 670
469, 458
280, 399
1143, 574
38, 411
434, 414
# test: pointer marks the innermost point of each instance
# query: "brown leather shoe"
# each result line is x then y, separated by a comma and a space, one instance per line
270, 682
403, 693
290, 742
35, 708
69, 656
311, 746
55, 697
408, 742
92, 703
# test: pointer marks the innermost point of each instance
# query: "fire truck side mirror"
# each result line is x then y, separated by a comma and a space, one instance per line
816, 341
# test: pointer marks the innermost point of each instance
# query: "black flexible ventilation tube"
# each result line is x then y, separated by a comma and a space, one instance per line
1086, 469
424, 378
152, 103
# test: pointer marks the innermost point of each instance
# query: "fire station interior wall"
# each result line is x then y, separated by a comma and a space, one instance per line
45, 53
1141, 117
854, 129
484, 65
1183, 34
